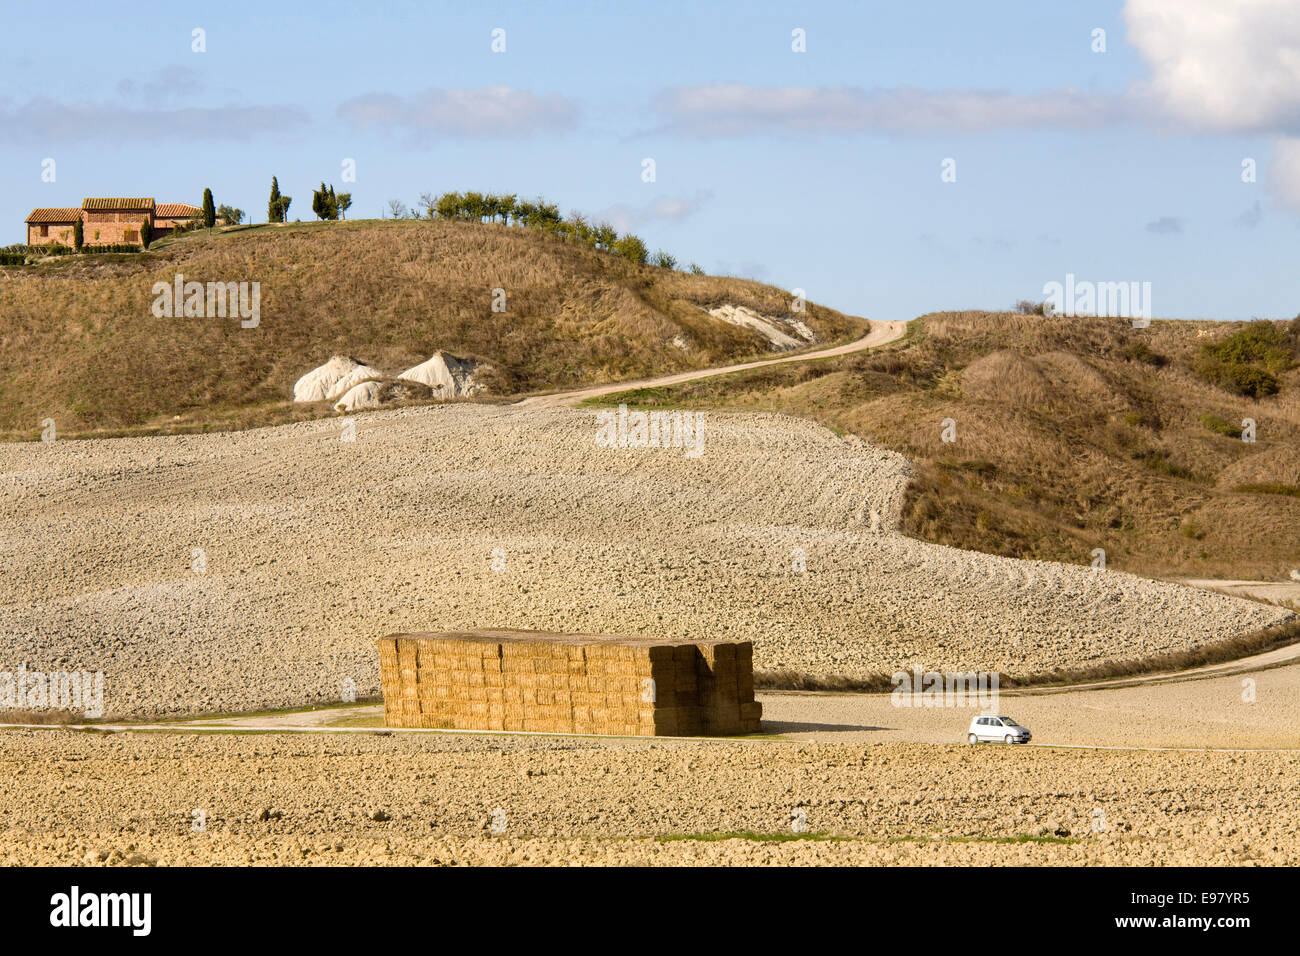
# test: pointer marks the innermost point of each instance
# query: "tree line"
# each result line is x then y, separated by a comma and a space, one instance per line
510, 210
507, 208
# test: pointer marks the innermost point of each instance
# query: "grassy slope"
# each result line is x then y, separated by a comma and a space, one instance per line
1065, 443
78, 343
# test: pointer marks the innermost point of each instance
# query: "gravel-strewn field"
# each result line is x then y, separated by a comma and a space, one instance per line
70, 797
316, 546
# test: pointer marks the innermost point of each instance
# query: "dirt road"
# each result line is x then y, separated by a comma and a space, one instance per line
882, 333
1253, 708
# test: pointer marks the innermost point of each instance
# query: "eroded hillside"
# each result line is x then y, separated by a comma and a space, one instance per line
79, 343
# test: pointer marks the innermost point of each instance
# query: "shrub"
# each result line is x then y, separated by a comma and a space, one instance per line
1258, 342
1247, 362
1239, 379
1220, 426
1158, 461
632, 249
1141, 352
1270, 488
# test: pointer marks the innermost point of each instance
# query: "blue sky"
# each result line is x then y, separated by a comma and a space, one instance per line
818, 170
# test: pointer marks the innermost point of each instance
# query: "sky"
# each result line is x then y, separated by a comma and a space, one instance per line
909, 158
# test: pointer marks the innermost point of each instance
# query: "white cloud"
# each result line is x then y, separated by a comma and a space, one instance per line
1229, 67
1220, 64
733, 108
46, 120
491, 111
665, 209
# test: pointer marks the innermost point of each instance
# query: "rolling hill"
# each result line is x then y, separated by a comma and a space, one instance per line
80, 345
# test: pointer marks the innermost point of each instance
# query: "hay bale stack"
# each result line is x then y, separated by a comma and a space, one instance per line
568, 683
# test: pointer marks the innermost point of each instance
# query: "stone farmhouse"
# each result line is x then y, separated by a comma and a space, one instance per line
107, 222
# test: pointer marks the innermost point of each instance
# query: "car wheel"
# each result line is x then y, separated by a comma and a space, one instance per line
972, 739
1009, 739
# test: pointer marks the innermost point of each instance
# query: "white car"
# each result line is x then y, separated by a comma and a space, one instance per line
997, 727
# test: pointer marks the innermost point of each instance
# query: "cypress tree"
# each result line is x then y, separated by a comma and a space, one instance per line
78, 234
273, 211
209, 210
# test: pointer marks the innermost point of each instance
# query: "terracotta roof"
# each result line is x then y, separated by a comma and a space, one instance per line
53, 214
176, 210
143, 205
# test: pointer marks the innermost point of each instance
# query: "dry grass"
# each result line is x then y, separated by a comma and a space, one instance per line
1072, 434
54, 717
80, 345
799, 680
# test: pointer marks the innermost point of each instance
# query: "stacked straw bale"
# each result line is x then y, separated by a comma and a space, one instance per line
568, 683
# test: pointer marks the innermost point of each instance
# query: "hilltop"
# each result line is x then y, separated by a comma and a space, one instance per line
79, 344
1072, 434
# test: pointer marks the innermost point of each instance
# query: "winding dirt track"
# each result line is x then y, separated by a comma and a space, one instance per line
881, 333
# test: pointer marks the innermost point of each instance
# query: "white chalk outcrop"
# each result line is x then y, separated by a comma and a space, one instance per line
351, 384
446, 375
783, 334
333, 379
364, 395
